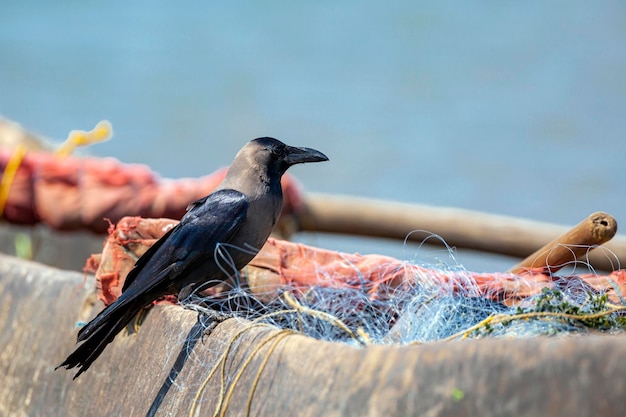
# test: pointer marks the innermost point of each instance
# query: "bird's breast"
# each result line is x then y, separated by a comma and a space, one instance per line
263, 213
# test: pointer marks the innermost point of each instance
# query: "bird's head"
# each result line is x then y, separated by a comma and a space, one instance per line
280, 156
265, 159
274, 156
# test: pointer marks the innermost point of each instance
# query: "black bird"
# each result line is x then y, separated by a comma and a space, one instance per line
218, 235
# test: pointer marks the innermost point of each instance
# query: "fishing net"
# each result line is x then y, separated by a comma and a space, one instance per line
373, 299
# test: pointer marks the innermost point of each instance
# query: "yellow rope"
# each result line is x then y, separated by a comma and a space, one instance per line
221, 361
280, 335
500, 318
103, 131
465, 333
9, 175
323, 316
275, 313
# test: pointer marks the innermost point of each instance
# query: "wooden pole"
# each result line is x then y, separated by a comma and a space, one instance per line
576, 243
459, 228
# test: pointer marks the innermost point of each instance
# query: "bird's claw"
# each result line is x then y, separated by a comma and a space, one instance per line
210, 319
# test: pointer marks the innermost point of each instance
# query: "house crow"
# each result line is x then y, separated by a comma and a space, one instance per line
218, 236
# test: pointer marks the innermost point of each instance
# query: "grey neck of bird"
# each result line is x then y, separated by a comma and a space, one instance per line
258, 181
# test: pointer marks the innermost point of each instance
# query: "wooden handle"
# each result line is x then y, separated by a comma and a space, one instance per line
595, 230
460, 228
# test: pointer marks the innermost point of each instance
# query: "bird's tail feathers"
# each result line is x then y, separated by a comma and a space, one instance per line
101, 331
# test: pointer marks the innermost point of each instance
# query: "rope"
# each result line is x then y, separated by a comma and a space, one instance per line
9, 175
102, 132
503, 318
291, 300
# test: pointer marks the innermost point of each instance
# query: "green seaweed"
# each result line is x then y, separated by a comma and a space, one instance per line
554, 313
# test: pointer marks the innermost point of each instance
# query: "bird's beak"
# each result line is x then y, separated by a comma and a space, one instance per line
301, 155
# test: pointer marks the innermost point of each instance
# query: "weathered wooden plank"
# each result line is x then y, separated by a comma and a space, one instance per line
39, 306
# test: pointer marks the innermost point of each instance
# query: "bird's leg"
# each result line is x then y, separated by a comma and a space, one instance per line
137, 321
210, 319
236, 279
185, 293
208, 316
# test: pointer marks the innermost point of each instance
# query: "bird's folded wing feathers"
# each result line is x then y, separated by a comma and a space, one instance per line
181, 250
214, 218
146, 257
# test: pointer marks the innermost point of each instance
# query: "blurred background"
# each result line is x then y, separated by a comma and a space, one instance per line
508, 108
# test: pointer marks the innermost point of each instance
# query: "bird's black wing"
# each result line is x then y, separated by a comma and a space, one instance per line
197, 203
183, 252
145, 258
179, 253
212, 219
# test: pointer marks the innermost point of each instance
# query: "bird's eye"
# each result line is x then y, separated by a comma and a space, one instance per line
278, 151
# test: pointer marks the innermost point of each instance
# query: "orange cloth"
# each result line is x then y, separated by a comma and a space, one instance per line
80, 193
284, 265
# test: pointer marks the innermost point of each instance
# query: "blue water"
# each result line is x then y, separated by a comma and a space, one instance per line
511, 108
